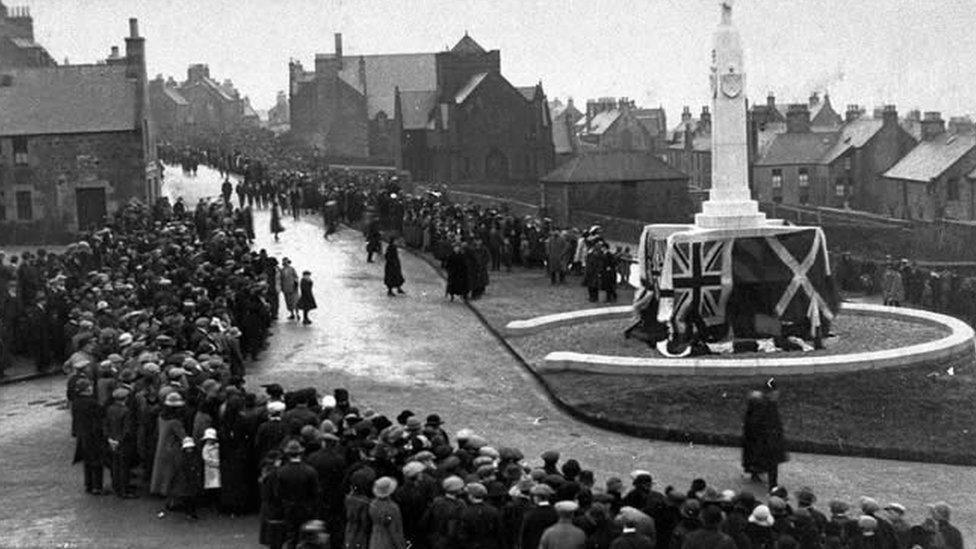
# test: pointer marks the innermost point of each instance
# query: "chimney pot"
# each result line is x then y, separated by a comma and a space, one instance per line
133, 28
338, 48
798, 118
932, 125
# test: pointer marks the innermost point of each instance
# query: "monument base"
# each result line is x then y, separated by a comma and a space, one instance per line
740, 214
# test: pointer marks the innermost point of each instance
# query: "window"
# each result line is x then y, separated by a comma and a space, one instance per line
777, 178
20, 151
804, 178
25, 209
840, 190
952, 188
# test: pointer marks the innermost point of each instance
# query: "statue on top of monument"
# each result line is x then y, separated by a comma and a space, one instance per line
727, 12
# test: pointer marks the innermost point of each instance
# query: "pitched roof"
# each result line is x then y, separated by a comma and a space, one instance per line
174, 95
415, 108
798, 148
67, 99
652, 119
600, 122
930, 159
528, 92
469, 87
467, 45
699, 142
853, 135
210, 84
384, 73
972, 174
613, 166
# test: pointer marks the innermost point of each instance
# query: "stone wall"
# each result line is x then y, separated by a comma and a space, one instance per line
57, 167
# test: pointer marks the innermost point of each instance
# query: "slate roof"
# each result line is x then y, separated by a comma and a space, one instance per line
600, 123
853, 135
798, 148
66, 100
416, 107
652, 120
469, 87
212, 85
699, 142
384, 73
930, 159
613, 166
174, 95
528, 92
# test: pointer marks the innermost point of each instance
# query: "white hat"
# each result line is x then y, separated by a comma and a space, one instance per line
566, 506
276, 407
209, 434
188, 443
761, 516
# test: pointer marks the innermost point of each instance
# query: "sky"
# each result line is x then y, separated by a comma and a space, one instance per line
911, 53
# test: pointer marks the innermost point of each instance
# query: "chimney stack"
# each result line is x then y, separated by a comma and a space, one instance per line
798, 118
853, 113
338, 49
771, 100
932, 125
814, 99
889, 115
686, 114
914, 115
705, 121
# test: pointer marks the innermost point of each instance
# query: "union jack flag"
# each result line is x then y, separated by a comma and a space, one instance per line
700, 279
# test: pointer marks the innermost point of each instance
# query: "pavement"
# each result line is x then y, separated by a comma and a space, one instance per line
419, 352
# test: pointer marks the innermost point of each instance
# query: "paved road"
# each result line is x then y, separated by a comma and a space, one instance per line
418, 352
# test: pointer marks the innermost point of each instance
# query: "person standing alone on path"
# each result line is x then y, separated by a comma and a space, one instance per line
392, 272
763, 446
276, 220
289, 287
306, 301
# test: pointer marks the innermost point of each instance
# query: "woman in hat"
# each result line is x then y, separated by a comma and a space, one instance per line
168, 445
211, 465
392, 272
306, 301
187, 481
760, 528
384, 514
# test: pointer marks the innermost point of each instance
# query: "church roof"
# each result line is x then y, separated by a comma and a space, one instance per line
384, 73
930, 159
467, 45
528, 92
469, 87
416, 107
67, 99
613, 166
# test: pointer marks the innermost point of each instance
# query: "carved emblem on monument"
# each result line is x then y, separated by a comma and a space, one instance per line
732, 84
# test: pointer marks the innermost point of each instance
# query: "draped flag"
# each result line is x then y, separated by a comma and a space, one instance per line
727, 277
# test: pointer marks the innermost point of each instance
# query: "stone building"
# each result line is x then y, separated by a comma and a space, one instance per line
76, 142
564, 140
447, 116
627, 184
612, 125
197, 104
279, 120
690, 150
17, 45
819, 166
935, 180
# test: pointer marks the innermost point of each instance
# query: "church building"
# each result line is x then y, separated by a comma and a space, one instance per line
449, 116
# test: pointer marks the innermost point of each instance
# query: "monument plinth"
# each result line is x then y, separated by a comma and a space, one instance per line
733, 273
729, 204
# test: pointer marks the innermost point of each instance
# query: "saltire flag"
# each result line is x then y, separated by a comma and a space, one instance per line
786, 276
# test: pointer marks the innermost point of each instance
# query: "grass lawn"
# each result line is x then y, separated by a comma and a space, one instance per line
919, 413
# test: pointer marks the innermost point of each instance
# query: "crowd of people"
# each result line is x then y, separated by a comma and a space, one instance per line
155, 314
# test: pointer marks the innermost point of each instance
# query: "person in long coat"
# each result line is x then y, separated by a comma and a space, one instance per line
289, 287
86, 424
592, 271
188, 479
147, 429
168, 445
457, 274
374, 241
478, 261
357, 532
386, 530
392, 272
306, 301
276, 226
557, 257
234, 450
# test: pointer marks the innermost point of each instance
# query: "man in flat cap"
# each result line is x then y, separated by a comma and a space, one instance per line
540, 517
564, 534
296, 490
481, 524
120, 430
443, 518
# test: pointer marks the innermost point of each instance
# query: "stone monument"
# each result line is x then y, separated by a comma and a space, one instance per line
729, 204
733, 273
